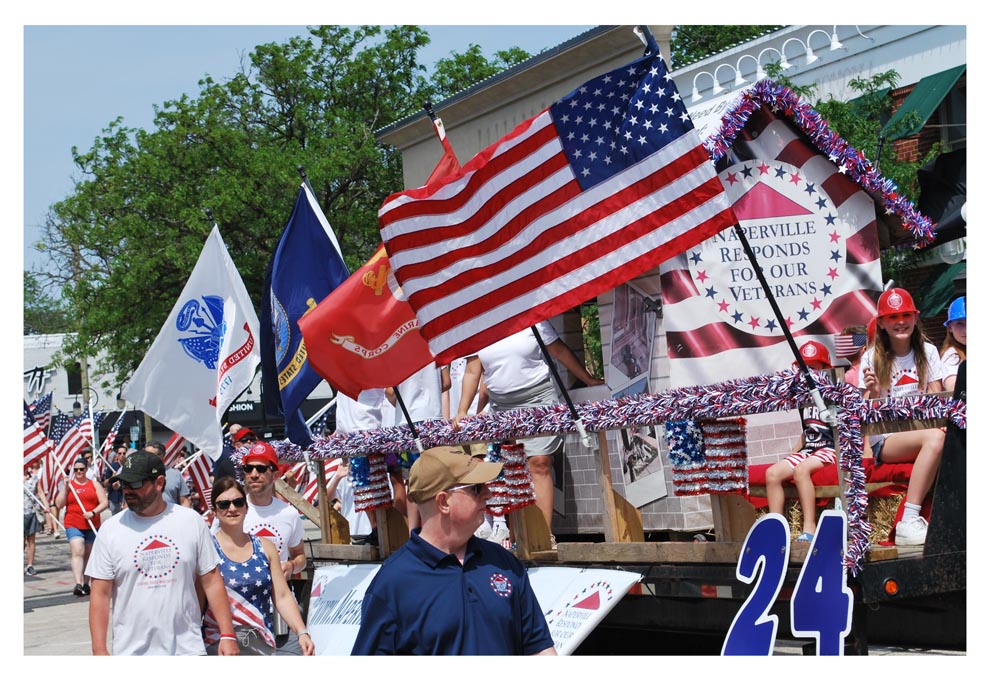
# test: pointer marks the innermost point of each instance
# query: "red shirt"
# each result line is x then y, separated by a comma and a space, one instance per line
73, 514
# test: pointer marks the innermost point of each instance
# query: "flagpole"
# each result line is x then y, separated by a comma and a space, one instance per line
305, 179
48, 510
827, 411
92, 418
322, 411
313, 419
563, 391
68, 482
412, 426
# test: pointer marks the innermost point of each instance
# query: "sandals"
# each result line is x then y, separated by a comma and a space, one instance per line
805, 537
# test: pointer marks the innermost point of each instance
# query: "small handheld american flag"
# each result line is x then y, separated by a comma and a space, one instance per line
848, 344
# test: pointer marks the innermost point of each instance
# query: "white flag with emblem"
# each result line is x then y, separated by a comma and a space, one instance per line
204, 356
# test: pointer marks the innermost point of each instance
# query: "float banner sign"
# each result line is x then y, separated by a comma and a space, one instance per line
814, 234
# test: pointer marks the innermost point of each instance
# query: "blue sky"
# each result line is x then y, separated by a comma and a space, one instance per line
79, 78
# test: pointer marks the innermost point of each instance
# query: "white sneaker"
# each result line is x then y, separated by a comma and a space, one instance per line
499, 532
911, 532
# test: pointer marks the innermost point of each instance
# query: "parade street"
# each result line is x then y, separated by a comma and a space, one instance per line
56, 622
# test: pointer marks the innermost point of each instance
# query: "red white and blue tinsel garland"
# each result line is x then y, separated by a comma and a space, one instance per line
782, 391
850, 161
513, 488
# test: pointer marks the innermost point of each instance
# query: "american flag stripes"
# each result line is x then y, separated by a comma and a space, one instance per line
36, 443
72, 435
199, 470
106, 451
41, 409
603, 185
173, 450
311, 491
848, 344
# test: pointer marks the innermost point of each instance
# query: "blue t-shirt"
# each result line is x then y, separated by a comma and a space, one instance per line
424, 602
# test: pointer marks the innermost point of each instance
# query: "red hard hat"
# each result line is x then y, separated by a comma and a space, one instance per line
262, 451
813, 351
895, 301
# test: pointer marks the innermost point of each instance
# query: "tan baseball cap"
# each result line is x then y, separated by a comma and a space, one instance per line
441, 468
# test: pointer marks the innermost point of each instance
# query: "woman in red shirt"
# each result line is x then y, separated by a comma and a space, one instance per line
83, 504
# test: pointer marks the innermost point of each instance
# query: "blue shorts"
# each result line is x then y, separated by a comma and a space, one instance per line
876, 444
87, 536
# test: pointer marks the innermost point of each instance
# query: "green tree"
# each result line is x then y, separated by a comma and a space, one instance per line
42, 313
460, 71
124, 242
690, 43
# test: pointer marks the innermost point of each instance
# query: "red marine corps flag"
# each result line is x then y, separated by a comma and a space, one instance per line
364, 334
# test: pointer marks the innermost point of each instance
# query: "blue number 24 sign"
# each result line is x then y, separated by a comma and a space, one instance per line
822, 602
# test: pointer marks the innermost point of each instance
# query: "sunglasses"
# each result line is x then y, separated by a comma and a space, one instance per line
256, 468
79, 470
224, 504
477, 489
135, 485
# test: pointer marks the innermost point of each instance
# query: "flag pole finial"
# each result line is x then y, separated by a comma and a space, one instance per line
302, 171
428, 108
209, 216
644, 33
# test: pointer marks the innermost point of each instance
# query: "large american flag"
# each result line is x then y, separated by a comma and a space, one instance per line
41, 409
36, 443
603, 185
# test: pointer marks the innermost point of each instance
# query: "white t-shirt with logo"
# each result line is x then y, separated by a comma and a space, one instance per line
153, 563
516, 362
904, 373
278, 522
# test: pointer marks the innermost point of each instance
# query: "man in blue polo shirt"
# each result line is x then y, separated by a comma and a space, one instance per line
446, 592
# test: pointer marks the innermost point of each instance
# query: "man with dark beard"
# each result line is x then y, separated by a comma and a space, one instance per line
148, 559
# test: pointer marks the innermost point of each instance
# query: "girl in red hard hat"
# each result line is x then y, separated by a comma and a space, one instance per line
954, 347
815, 449
901, 363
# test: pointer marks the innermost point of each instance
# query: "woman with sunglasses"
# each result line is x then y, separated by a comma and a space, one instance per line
83, 501
252, 574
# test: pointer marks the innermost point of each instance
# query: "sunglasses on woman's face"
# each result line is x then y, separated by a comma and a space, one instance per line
224, 504
79, 470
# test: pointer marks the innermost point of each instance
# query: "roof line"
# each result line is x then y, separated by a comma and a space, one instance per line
500, 76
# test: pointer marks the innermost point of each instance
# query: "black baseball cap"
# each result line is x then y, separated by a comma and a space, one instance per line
138, 467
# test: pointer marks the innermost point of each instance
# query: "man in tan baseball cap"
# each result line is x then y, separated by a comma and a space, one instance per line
445, 591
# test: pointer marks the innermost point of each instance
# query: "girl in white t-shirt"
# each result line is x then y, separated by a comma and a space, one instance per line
901, 363
954, 347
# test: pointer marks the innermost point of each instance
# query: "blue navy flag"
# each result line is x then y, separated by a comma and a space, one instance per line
307, 266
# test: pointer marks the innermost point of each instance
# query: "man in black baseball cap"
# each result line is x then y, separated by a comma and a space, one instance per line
148, 560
